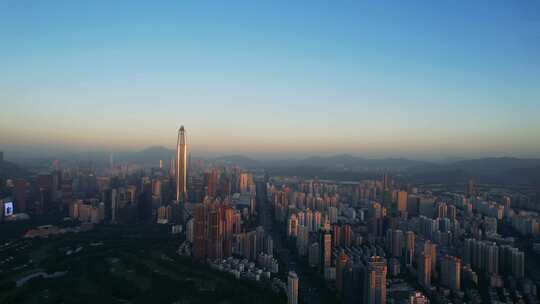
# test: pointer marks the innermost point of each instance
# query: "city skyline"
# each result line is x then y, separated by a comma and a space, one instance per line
364, 152
422, 81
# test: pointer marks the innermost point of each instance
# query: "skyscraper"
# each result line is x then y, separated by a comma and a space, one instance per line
181, 165
292, 288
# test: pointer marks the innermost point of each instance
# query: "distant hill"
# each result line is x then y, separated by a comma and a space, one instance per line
502, 170
495, 165
149, 155
349, 162
335, 162
239, 160
496, 170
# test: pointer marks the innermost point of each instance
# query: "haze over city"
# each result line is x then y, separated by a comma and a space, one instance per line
423, 80
270, 152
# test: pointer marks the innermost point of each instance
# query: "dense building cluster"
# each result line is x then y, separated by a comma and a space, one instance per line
368, 241
355, 233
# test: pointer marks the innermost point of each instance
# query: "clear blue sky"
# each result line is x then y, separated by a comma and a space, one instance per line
414, 78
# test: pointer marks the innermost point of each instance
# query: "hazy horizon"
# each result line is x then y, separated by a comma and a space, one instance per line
422, 81
36, 152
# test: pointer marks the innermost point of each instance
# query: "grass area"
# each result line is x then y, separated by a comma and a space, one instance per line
122, 264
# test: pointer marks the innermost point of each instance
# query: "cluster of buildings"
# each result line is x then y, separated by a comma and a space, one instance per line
241, 268
449, 243
359, 236
217, 230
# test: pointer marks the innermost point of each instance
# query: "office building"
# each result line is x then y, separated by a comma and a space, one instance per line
181, 165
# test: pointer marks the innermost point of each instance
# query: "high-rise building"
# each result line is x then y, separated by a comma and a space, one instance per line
45, 187
375, 214
199, 244
413, 204
181, 165
452, 212
215, 235
409, 247
451, 272
441, 210
228, 230
292, 288
347, 235
394, 242
326, 249
431, 249
20, 194
317, 220
292, 226
245, 181
314, 255
336, 235
402, 201
424, 270
512, 261
518, 264
482, 255
386, 181
375, 291
471, 188
302, 240
211, 180
333, 214
354, 276
341, 262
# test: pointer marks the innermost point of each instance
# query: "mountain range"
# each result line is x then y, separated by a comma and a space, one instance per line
502, 170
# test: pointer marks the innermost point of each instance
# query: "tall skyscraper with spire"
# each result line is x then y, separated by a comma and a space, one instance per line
181, 165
